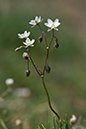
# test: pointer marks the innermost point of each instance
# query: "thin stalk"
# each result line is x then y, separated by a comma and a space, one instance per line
36, 68
45, 39
44, 35
28, 64
51, 40
46, 58
49, 102
47, 53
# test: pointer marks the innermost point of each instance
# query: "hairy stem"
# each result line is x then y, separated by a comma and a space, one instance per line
49, 102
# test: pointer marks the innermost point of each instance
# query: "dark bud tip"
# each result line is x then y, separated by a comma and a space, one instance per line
27, 73
56, 45
25, 55
40, 38
48, 69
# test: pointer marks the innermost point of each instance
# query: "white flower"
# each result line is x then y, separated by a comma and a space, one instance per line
52, 25
24, 35
29, 42
36, 21
73, 119
9, 81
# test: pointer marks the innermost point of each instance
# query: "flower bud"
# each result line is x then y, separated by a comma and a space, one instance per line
56, 45
48, 69
40, 38
27, 73
25, 55
73, 119
9, 81
18, 48
18, 122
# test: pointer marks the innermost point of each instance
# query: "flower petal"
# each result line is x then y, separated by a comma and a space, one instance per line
49, 21
28, 33
33, 40
56, 21
47, 24
49, 29
39, 19
36, 18
56, 29
32, 22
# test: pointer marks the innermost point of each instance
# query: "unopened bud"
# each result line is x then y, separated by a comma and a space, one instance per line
18, 122
27, 73
25, 55
18, 48
48, 69
40, 38
9, 81
56, 45
73, 119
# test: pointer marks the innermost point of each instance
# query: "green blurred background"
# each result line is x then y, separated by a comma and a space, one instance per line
66, 82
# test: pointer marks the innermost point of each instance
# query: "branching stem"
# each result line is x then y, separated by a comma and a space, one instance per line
41, 74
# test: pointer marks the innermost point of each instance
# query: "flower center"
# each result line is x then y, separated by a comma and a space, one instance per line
52, 24
36, 22
25, 33
28, 41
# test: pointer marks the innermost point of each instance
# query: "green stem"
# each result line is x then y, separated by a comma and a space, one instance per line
49, 102
3, 124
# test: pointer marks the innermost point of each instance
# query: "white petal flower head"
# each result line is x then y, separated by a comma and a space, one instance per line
52, 25
29, 42
36, 21
9, 81
73, 119
24, 35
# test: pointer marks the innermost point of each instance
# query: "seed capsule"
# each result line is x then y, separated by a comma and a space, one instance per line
40, 38
48, 69
56, 45
25, 55
27, 73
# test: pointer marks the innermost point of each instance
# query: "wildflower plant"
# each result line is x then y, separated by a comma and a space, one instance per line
30, 43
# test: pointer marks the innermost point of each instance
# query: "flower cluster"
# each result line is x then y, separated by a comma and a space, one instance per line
50, 24
27, 42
